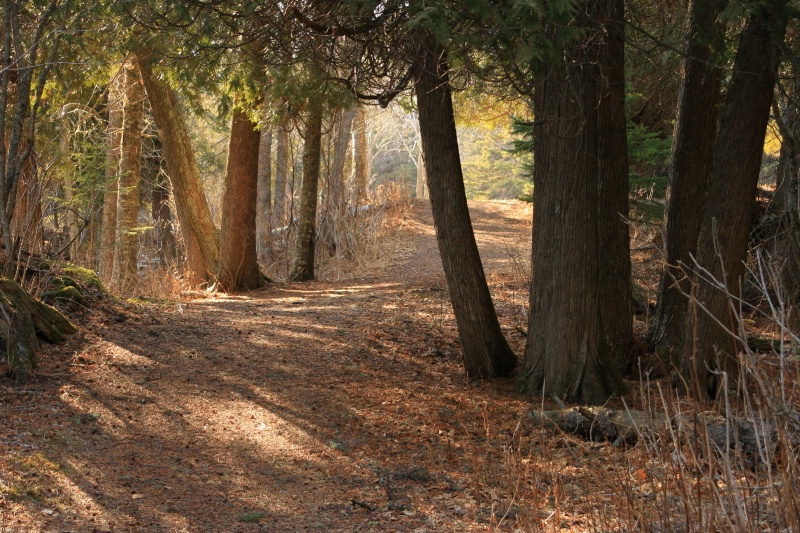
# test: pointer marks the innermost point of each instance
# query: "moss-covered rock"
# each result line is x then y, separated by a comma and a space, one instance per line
69, 293
83, 277
23, 321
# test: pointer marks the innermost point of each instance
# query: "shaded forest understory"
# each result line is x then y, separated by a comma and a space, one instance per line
335, 407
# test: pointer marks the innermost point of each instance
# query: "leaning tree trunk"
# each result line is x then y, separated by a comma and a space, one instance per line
113, 144
264, 195
124, 270
200, 236
689, 173
238, 261
281, 171
484, 348
732, 195
578, 334
360, 159
303, 267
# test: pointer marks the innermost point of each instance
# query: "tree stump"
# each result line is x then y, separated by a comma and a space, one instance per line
23, 321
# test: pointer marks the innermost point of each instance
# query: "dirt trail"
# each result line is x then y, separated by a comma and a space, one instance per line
319, 406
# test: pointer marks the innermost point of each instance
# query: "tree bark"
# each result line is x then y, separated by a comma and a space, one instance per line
579, 331
162, 221
282, 168
264, 194
689, 173
200, 236
304, 255
238, 261
732, 195
124, 271
360, 159
113, 145
614, 261
485, 352
337, 200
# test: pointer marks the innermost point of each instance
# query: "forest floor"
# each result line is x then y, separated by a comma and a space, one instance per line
322, 406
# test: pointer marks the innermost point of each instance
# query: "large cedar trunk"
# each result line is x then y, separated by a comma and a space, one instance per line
732, 195
579, 330
484, 348
200, 236
124, 271
689, 173
264, 194
614, 260
113, 145
281, 171
360, 159
304, 254
238, 262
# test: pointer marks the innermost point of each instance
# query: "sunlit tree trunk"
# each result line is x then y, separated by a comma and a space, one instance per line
282, 168
337, 199
113, 144
26, 224
689, 172
727, 220
422, 178
200, 236
238, 261
360, 159
124, 270
264, 208
304, 255
579, 332
485, 351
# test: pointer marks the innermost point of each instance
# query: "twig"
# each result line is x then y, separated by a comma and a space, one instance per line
365, 505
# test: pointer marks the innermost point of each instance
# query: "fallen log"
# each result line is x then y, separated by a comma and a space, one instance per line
758, 439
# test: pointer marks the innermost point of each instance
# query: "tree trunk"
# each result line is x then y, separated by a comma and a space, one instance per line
200, 236
23, 320
162, 221
337, 200
732, 195
113, 144
264, 208
484, 348
238, 261
579, 332
614, 260
422, 178
124, 271
360, 159
282, 168
303, 267
26, 224
689, 173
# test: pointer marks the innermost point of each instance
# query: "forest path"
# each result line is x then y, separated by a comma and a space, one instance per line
316, 406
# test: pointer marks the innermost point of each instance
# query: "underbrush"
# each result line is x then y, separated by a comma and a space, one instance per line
686, 465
